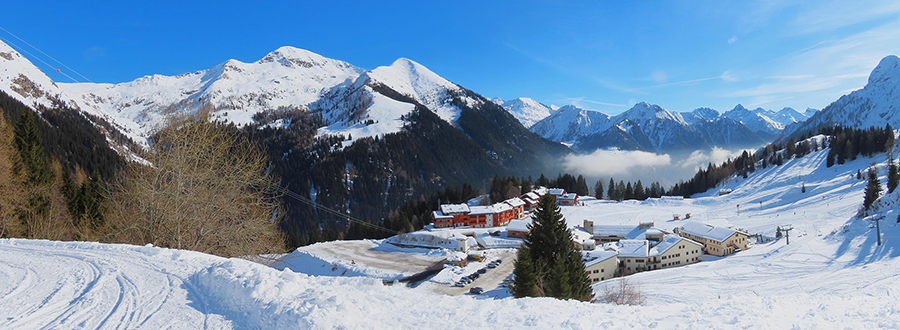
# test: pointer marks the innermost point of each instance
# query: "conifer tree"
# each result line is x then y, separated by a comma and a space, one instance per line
548, 265
598, 189
873, 189
611, 193
893, 176
524, 284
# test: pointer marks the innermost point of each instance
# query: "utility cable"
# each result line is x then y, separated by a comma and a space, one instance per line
45, 54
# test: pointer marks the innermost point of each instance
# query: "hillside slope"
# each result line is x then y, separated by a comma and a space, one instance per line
831, 275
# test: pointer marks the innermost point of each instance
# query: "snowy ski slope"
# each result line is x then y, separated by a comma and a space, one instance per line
832, 275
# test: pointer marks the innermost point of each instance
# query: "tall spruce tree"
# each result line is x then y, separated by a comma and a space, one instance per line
873, 189
611, 193
893, 176
548, 265
598, 189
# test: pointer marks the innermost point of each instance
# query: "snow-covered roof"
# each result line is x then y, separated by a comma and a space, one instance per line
515, 202
440, 215
668, 242
718, 234
518, 225
594, 257
632, 248
557, 191
613, 230
534, 197
625, 231
454, 208
568, 196
490, 209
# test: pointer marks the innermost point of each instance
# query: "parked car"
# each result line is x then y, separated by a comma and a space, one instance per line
476, 290
482, 271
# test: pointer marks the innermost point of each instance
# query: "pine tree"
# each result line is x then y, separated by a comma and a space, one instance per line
524, 284
873, 189
803, 188
581, 187
32, 159
598, 189
548, 265
893, 176
611, 193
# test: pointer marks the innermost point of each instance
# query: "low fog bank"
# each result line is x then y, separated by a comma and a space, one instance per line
648, 167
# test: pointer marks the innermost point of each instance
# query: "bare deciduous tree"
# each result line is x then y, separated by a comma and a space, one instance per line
622, 292
206, 189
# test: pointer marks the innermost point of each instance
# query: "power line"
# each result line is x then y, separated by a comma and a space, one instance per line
331, 211
35, 57
45, 54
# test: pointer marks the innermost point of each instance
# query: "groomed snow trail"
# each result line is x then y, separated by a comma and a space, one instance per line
58, 285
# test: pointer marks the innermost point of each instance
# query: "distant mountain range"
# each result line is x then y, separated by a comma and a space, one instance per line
649, 127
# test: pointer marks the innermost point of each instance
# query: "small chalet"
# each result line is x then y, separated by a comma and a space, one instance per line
518, 228
717, 241
531, 200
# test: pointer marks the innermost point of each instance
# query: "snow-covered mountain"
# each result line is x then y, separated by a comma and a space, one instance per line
646, 127
526, 110
757, 120
652, 128
286, 78
26, 83
374, 102
570, 123
876, 104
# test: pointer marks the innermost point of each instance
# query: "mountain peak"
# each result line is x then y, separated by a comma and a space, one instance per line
527, 110
739, 107
293, 57
706, 113
887, 68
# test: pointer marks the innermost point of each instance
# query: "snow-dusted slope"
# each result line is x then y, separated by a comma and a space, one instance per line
832, 275
286, 78
569, 124
527, 111
373, 103
877, 104
25, 82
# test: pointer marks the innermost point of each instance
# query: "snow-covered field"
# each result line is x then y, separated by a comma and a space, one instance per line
832, 275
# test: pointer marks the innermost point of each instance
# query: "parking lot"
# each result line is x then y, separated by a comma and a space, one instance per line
489, 281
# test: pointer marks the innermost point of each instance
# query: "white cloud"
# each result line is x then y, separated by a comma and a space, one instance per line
660, 76
732, 40
602, 163
642, 165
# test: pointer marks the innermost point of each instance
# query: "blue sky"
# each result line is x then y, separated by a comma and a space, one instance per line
679, 54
